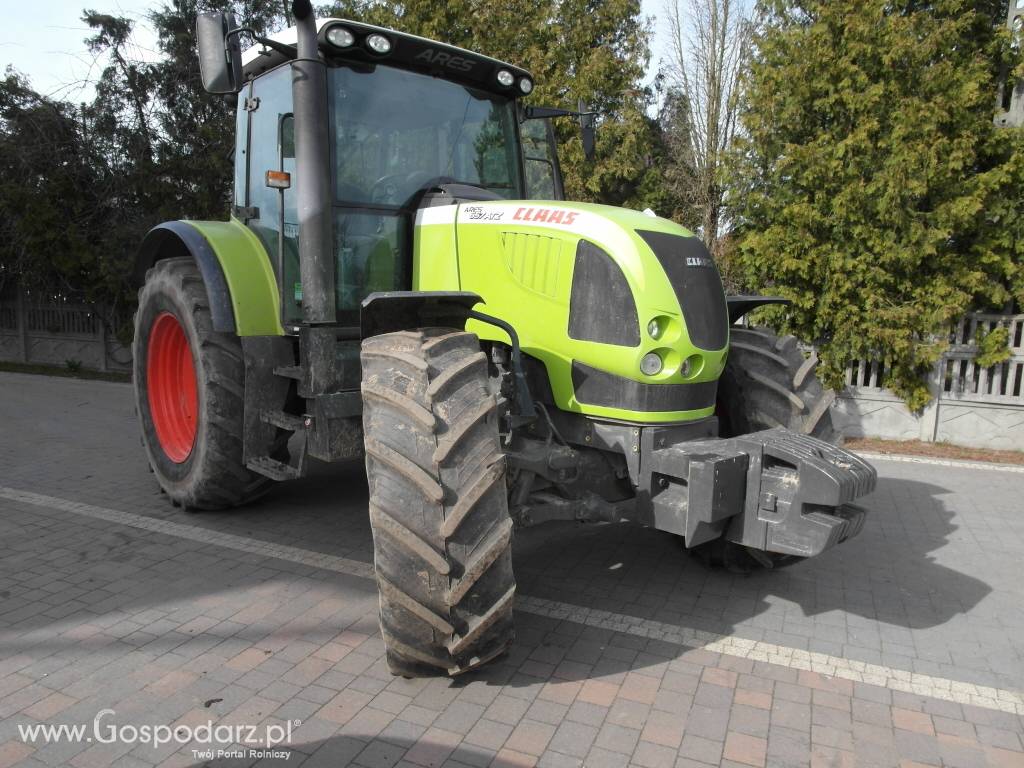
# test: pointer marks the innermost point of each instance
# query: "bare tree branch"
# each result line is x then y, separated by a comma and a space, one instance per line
707, 51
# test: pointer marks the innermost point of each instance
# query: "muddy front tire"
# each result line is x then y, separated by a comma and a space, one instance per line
438, 502
189, 391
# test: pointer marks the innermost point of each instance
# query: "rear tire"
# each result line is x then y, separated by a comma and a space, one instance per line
204, 471
438, 502
768, 383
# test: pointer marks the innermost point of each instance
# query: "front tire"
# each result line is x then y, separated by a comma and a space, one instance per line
189, 392
438, 502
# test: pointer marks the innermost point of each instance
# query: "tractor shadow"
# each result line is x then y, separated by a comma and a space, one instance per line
888, 578
889, 574
887, 583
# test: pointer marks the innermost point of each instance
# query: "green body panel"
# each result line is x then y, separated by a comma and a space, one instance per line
249, 275
523, 270
435, 264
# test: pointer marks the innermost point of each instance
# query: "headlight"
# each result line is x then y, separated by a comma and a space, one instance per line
505, 78
650, 364
340, 37
692, 366
654, 329
378, 44
526, 86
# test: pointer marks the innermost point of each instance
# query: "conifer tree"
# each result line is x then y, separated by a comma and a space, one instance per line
871, 185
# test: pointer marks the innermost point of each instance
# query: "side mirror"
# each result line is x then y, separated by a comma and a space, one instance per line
220, 54
588, 130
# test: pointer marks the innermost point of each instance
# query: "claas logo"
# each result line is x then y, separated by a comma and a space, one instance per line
548, 215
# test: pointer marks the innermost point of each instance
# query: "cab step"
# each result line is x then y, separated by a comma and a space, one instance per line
289, 372
274, 469
287, 421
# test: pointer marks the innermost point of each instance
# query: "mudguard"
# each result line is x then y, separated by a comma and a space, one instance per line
741, 305
387, 311
237, 273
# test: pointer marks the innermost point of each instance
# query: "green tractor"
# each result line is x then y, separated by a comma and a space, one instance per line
401, 279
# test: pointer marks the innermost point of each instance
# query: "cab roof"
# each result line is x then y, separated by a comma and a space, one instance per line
407, 52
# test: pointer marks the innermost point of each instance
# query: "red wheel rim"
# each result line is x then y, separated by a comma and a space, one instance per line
171, 386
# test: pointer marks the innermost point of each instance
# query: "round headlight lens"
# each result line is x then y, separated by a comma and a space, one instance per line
526, 85
378, 43
650, 364
654, 329
505, 78
340, 37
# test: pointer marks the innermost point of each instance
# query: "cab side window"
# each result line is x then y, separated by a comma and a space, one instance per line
540, 157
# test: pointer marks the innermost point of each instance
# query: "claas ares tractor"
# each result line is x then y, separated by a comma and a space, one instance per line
401, 280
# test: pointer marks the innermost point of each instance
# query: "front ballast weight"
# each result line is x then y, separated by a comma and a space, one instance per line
773, 491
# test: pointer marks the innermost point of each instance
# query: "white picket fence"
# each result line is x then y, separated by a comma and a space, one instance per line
971, 406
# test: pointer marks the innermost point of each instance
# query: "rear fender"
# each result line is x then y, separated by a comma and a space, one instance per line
239, 280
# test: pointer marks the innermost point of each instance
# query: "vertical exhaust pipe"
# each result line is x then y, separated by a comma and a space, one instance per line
312, 170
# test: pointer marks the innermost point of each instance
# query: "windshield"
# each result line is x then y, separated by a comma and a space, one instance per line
397, 131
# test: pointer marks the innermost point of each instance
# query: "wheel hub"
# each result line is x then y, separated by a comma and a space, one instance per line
171, 387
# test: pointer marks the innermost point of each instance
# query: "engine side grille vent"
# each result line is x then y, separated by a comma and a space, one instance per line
534, 260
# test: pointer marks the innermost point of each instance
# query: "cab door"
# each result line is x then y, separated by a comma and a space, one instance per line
271, 210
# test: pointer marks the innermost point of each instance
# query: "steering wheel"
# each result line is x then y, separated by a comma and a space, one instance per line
387, 189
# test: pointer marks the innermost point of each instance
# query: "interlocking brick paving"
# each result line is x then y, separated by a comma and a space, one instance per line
627, 650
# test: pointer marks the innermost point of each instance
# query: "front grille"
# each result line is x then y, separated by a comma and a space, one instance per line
698, 287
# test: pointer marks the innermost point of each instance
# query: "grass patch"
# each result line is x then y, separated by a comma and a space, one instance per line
932, 450
65, 372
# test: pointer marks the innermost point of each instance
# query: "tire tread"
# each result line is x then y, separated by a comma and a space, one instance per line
439, 507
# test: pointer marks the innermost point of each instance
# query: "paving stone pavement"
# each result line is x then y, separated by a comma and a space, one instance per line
163, 627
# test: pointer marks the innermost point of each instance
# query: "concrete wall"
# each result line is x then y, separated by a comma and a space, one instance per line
53, 334
968, 423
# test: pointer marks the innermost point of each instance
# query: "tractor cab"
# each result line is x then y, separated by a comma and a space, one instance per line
411, 123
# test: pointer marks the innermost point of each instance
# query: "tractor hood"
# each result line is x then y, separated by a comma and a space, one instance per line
624, 309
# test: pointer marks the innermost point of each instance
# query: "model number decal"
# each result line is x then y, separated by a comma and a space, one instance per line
549, 215
440, 58
476, 213
699, 261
